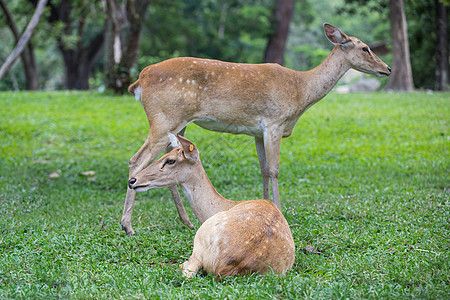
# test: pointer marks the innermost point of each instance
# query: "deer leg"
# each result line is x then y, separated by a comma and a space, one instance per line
272, 143
190, 267
259, 142
154, 145
128, 212
180, 207
176, 196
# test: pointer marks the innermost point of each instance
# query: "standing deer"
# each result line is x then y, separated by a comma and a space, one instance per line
236, 237
261, 100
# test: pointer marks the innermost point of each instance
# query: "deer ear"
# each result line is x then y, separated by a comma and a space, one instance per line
189, 149
335, 35
174, 142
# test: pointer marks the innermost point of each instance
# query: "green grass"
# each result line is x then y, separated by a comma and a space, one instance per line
364, 179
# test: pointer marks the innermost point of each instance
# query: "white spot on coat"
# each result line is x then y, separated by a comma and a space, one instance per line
138, 94
174, 142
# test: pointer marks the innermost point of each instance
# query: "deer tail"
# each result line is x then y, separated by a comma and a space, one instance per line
136, 89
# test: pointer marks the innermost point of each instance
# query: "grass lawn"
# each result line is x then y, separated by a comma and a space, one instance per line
364, 179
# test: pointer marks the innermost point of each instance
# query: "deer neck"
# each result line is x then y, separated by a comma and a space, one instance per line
203, 198
319, 81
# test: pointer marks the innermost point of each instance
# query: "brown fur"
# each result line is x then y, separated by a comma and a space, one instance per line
255, 239
236, 238
261, 100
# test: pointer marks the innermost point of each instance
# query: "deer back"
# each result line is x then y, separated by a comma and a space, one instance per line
217, 95
251, 237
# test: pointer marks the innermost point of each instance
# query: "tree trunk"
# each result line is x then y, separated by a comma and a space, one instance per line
115, 16
442, 79
78, 63
23, 41
122, 46
277, 41
401, 78
30, 68
79, 59
28, 58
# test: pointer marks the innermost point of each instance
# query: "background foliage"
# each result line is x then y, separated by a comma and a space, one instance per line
228, 30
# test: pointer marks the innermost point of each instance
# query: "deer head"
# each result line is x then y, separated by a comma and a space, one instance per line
173, 168
358, 54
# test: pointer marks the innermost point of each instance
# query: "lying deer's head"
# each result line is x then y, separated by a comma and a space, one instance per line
173, 168
358, 54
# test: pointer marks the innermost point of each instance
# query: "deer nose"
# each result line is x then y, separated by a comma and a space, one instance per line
390, 70
131, 182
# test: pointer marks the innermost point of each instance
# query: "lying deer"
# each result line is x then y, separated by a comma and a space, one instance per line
236, 237
261, 100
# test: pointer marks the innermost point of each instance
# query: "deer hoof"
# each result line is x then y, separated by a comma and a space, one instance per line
128, 230
185, 271
188, 224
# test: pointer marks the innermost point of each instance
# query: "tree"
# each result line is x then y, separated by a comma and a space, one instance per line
23, 41
80, 36
124, 21
401, 78
442, 78
277, 40
229, 30
28, 58
427, 53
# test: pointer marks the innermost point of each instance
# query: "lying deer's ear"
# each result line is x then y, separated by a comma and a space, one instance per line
189, 149
174, 142
335, 35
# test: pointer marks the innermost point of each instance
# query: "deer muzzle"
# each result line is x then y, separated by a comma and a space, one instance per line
132, 182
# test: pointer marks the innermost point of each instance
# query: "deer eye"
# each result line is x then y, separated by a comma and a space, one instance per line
170, 161
366, 49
